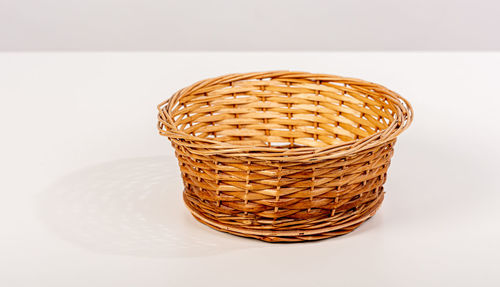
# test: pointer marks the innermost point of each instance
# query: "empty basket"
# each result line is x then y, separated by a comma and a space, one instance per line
284, 156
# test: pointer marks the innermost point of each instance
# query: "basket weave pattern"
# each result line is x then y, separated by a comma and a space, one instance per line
284, 156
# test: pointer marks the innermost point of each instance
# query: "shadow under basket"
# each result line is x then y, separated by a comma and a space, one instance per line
284, 156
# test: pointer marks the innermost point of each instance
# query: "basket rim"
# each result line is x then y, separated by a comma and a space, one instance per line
203, 146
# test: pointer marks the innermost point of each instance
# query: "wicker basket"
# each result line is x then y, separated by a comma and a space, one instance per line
284, 156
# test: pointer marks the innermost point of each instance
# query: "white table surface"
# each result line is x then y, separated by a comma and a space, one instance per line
91, 195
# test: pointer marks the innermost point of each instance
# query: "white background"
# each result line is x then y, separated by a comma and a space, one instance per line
91, 195
229, 25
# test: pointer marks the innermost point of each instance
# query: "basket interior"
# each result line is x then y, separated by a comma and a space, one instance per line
286, 113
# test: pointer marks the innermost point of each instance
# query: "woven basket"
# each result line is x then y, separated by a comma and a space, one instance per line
284, 156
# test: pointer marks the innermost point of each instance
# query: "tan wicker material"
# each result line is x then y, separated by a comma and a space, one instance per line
284, 156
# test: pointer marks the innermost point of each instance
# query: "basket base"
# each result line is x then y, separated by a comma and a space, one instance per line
325, 230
